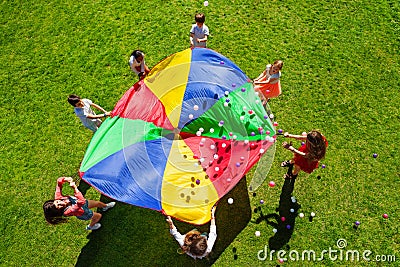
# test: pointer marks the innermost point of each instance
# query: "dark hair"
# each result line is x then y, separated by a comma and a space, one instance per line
200, 17
137, 53
198, 246
317, 145
73, 100
52, 214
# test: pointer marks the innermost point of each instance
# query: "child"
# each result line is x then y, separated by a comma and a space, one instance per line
195, 244
307, 157
82, 108
268, 83
138, 65
78, 206
199, 32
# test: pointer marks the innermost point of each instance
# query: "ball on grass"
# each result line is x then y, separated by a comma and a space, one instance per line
385, 216
271, 184
257, 233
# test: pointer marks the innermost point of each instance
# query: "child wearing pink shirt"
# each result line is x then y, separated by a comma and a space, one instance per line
77, 205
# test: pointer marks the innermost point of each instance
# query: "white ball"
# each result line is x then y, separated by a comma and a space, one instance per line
312, 214
205, 3
246, 141
226, 93
201, 130
257, 233
215, 156
203, 140
230, 200
241, 118
198, 133
292, 210
271, 116
190, 116
301, 215
211, 130
223, 145
201, 159
226, 104
196, 107
216, 169
212, 147
275, 230
262, 150
234, 137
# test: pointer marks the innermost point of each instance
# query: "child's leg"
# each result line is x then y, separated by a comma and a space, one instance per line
296, 170
95, 219
96, 204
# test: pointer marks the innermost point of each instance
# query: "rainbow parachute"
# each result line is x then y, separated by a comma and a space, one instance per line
180, 139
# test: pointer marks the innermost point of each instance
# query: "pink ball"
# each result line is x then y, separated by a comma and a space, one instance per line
385, 216
271, 183
283, 219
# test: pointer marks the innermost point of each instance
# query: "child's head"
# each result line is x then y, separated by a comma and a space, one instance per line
198, 246
200, 18
53, 212
74, 100
316, 145
138, 55
278, 64
195, 243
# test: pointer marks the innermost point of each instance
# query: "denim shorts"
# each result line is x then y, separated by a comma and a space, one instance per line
88, 214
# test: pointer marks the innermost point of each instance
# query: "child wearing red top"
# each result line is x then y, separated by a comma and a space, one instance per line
307, 157
77, 205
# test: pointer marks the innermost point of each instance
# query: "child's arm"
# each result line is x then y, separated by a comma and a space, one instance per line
173, 231
289, 146
191, 39
170, 222
212, 236
260, 76
297, 137
203, 39
263, 82
58, 194
107, 113
98, 107
80, 198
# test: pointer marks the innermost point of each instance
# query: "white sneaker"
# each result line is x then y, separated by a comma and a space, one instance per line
94, 227
109, 206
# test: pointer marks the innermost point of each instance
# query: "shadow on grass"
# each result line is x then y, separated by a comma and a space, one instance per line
284, 220
133, 236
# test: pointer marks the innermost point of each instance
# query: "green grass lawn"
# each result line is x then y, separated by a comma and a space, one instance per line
341, 75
